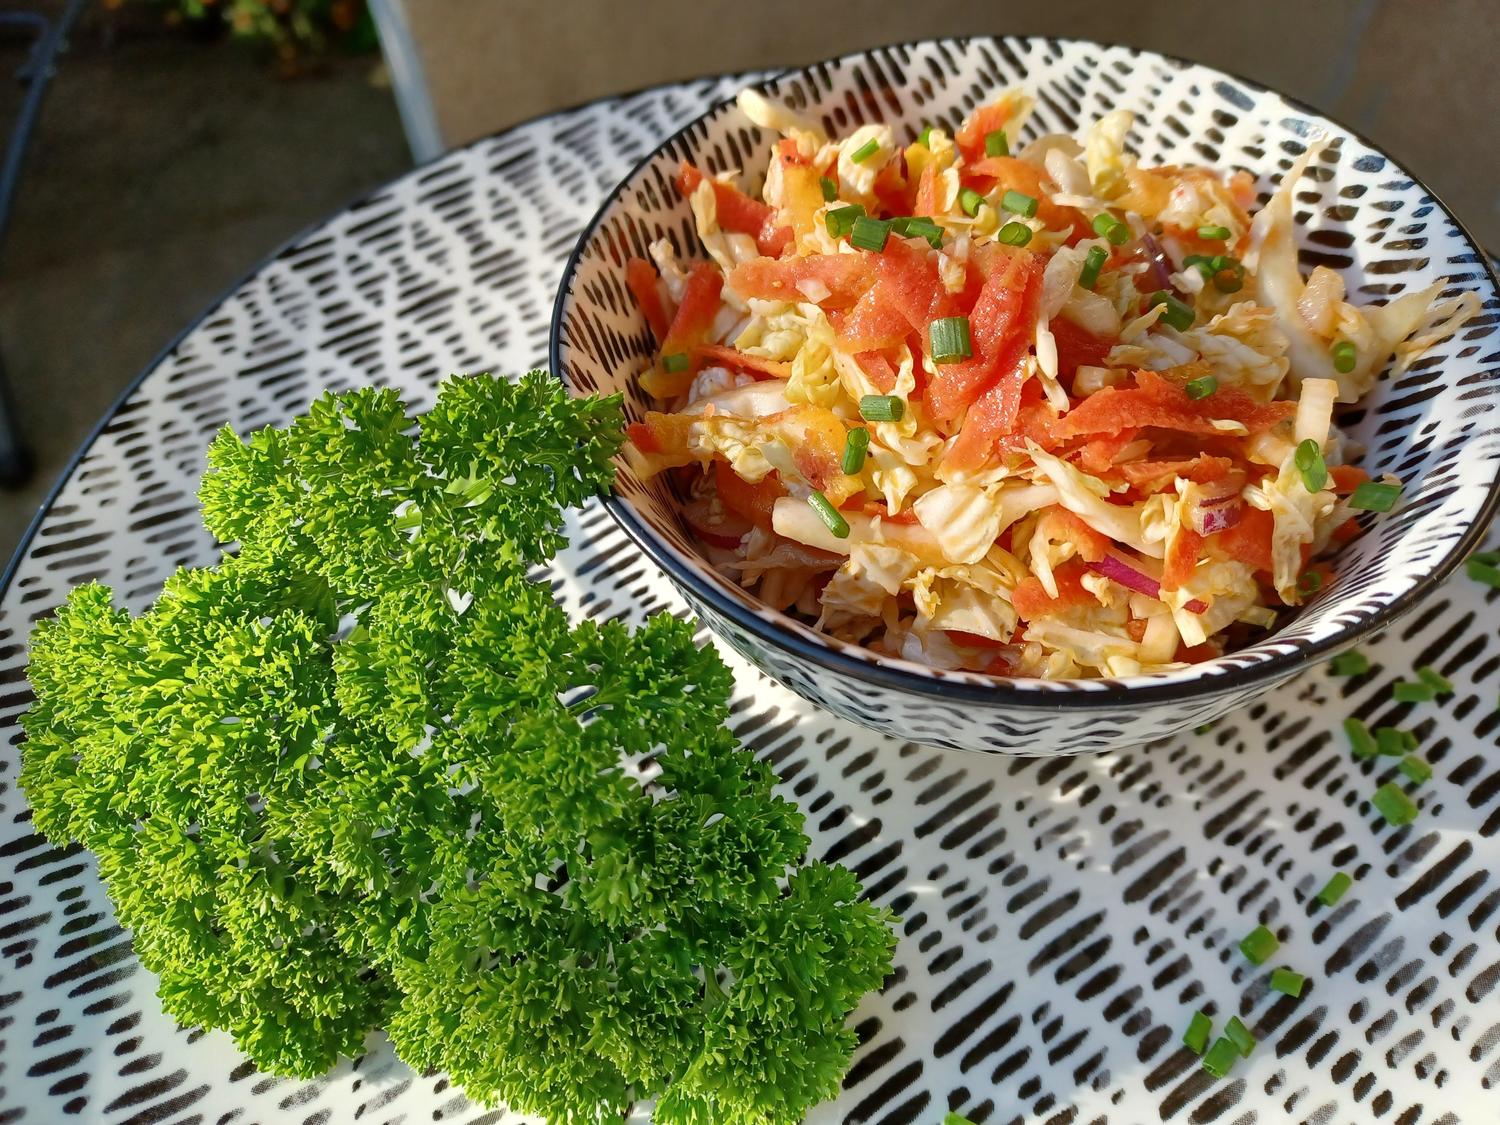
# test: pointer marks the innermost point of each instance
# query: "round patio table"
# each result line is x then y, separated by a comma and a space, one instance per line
1061, 917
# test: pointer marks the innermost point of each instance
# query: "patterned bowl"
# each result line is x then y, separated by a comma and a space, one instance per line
1437, 426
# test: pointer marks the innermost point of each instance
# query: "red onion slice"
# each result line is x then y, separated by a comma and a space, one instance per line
1118, 570
1218, 514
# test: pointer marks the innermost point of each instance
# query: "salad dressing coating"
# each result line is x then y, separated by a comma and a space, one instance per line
1030, 410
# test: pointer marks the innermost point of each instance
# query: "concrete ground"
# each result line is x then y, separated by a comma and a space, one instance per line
163, 170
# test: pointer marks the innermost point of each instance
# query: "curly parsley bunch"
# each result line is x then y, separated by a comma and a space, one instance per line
365, 773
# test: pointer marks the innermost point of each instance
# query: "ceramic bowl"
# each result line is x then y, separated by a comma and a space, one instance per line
1436, 426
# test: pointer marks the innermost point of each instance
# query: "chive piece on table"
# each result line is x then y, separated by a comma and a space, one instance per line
1392, 743
865, 151
949, 339
1361, 741
840, 220
1220, 1058
1238, 1034
1483, 568
1439, 683
956, 1118
1333, 890
1415, 768
1197, 1033
1218, 234
832, 518
1394, 805
1175, 314
856, 445
1258, 945
971, 201
1014, 234
1351, 663
1288, 982
1108, 227
1019, 203
1374, 496
869, 234
1093, 262
881, 408
830, 189
1344, 354
996, 143
1412, 691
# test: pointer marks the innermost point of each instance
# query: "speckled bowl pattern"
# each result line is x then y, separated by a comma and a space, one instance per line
1436, 426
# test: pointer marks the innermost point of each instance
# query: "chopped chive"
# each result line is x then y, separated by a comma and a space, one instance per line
1214, 233
1415, 768
1258, 945
1201, 387
840, 220
1196, 1035
1093, 262
1360, 739
1394, 805
996, 144
1481, 569
1238, 1034
1310, 463
919, 226
1310, 583
1019, 203
1408, 740
1014, 234
1413, 691
1204, 728
1344, 355
1351, 663
1375, 496
955, 1118
1334, 889
1434, 679
924, 138
869, 234
1203, 263
949, 339
881, 408
1108, 227
1285, 980
830, 189
1220, 1058
865, 151
856, 445
1390, 742
1229, 278
832, 519
677, 361
1175, 314
971, 201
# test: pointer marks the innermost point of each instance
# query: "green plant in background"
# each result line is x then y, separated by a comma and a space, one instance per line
294, 28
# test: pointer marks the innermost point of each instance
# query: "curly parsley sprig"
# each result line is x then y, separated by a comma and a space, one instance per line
364, 773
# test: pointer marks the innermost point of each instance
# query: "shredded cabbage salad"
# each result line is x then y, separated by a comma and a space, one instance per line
1030, 410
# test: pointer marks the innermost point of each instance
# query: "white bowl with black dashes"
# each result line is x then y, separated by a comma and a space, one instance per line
1437, 426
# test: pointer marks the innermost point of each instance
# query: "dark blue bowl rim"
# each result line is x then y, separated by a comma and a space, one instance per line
1002, 692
